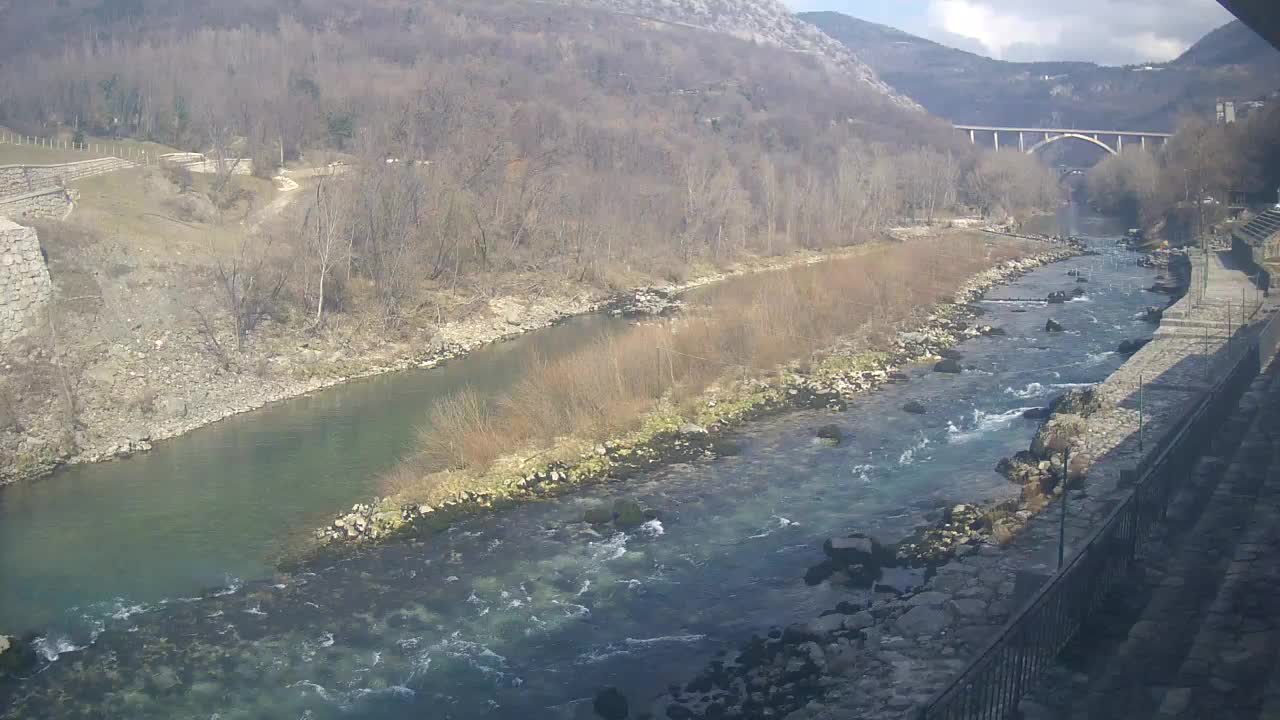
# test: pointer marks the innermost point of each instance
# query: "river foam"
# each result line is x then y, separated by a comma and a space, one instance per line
982, 423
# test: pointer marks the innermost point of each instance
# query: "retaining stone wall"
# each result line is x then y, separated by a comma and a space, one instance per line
25, 287
50, 204
22, 179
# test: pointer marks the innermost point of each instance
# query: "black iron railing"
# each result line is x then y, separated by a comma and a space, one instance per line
996, 680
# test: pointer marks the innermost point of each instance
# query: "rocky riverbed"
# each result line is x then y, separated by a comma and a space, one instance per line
667, 437
885, 650
530, 611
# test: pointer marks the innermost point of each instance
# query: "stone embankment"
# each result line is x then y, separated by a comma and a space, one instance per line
22, 179
665, 439
52, 203
25, 288
883, 657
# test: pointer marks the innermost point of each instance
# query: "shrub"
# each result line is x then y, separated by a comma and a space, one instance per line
744, 328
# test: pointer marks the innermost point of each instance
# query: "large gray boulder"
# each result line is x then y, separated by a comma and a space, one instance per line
1080, 401
1058, 434
610, 704
922, 620
948, 366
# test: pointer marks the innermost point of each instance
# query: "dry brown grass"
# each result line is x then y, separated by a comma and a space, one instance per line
747, 327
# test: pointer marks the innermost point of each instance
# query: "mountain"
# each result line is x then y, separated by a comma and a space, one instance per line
1231, 44
767, 22
1230, 62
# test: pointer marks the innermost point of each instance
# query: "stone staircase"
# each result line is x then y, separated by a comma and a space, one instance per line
1231, 299
1196, 634
1262, 227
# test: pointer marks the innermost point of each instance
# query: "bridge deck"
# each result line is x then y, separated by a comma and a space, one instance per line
1126, 133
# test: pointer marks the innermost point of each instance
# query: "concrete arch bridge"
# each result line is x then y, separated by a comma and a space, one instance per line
1030, 140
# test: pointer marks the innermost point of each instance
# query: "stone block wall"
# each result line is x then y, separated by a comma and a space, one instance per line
22, 179
48, 204
25, 288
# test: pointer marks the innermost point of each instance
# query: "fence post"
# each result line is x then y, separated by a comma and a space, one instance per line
1142, 387
1062, 516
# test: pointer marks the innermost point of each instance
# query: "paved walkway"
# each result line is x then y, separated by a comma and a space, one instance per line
1197, 632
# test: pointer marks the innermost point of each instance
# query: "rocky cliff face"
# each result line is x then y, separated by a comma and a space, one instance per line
763, 21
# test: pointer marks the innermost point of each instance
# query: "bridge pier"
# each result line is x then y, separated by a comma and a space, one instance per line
1120, 143
996, 135
1022, 145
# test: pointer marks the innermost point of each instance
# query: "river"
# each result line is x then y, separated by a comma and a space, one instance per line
519, 613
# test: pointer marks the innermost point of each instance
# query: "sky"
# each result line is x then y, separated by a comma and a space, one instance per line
1110, 32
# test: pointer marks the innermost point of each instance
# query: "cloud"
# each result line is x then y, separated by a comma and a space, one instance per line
1115, 32
1105, 31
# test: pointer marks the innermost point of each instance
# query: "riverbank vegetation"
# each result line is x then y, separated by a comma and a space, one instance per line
659, 374
485, 141
498, 165
1190, 181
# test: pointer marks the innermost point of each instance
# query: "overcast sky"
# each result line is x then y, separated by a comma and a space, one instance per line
1113, 32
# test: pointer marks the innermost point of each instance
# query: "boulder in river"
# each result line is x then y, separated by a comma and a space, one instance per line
1153, 315
1040, 413
1058, 434
17, 656
1057, 297
1078, 292
914, 407
598, 516
1129, 347
611, 704
1078, 401
628, 513
859, 556
948, 366
831, 433
1052, 326
949, 354
1082, 279
994, 331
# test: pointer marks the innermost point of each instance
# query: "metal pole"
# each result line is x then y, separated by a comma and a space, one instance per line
1142, 396
1062, 516
1206, 352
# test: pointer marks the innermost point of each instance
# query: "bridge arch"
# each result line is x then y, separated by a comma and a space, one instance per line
1073, 136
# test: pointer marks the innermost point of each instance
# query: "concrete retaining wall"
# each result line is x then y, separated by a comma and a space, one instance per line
25, 287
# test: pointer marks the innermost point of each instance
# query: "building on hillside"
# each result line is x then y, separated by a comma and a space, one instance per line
1256, 244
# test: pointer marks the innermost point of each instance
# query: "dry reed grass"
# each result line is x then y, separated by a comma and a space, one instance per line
747, 327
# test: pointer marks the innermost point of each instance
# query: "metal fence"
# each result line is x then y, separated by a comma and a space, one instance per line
994, 682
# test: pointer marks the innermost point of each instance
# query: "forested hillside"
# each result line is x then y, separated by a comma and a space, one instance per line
532, 135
